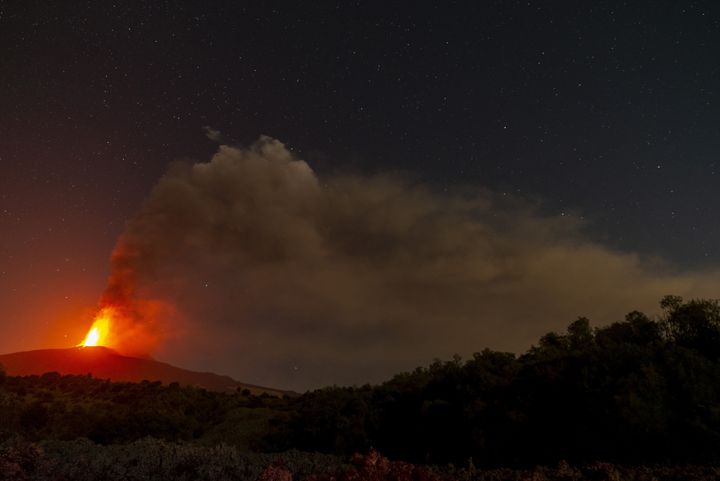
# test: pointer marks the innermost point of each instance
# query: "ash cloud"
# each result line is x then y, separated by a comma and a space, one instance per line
287, 279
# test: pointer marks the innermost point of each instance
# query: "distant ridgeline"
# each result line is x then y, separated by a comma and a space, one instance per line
635, 392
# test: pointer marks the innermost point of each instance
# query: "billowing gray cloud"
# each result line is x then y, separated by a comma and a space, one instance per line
288, 279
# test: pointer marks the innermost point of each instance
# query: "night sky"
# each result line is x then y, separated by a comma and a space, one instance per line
606, 114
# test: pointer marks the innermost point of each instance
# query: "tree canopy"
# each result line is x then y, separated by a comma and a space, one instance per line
639, 390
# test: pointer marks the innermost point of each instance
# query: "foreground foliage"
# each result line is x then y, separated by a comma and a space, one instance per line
151, 459
147, 458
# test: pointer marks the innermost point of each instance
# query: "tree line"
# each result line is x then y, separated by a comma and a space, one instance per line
637, 391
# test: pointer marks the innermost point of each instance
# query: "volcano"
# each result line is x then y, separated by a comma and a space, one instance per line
105, 363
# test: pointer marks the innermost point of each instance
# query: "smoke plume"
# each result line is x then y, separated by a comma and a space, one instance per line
284, 278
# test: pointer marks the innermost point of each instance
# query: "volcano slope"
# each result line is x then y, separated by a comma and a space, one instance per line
105, 363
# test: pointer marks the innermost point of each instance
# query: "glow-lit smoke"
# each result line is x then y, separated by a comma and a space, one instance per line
293, 280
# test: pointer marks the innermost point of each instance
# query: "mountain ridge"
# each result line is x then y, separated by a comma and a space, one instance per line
105, 363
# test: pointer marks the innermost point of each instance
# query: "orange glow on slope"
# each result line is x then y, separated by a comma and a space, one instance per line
100, 330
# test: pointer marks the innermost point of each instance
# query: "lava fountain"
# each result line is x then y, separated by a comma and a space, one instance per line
99, 332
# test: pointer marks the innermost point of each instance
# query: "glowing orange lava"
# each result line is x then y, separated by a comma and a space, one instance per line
100, 330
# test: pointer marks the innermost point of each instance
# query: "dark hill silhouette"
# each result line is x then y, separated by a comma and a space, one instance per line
104, 363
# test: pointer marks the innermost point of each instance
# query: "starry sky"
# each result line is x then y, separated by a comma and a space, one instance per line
606, 112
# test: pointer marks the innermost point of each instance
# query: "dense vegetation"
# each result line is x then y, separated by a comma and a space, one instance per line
151, 459
637, 392
69, 407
